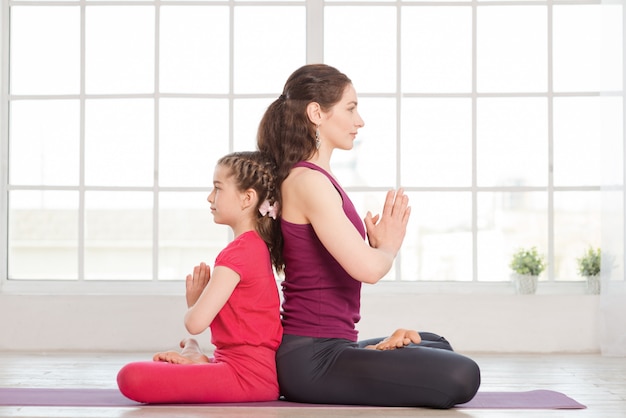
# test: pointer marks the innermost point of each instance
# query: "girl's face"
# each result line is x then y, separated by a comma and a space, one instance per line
341, 123
226, 200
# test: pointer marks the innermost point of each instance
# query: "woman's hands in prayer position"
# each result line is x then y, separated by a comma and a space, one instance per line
387, 232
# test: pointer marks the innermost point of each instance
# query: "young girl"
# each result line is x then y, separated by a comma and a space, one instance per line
239, 301
327, 258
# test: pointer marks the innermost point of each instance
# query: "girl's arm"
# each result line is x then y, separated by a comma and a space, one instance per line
308, 196
212, 299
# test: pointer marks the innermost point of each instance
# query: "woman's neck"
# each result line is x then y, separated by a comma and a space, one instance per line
321, 160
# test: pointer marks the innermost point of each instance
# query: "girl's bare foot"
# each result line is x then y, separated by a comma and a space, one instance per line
190, 354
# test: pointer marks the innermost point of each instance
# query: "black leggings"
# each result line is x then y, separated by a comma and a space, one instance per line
338, 371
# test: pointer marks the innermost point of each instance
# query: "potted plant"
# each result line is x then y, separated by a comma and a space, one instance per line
589, 268
527, 264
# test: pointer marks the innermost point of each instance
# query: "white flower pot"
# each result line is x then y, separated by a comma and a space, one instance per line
525, 284
593, 284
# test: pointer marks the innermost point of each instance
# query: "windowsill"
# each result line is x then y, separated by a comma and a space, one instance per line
173, 288
499, 288
92, 287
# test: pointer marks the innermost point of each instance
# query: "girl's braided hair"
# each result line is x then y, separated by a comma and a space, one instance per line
256, 170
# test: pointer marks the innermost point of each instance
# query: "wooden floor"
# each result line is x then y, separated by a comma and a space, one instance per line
596, 381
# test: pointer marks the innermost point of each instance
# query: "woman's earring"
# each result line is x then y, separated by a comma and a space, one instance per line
318, 142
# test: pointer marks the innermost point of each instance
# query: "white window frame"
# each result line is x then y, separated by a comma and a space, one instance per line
314, 54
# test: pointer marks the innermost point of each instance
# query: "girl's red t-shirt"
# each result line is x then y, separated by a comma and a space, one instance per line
251, 316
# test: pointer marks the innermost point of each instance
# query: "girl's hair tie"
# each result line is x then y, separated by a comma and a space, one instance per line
267, 209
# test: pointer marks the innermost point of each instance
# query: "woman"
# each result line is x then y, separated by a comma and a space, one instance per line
326, 259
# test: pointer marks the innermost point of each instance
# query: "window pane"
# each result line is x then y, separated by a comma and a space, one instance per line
193, 136
194, 49
119, 142
613, 243
438, 242
187, 233
512, 143
512, 49
577, 225
43, 235
118, 235
612, 140
577, 141
372, 161
258, 68
45, 50
44, 142
120, 49
247, 116
589, 59
435, 58
358, 38
508, 221
436, 152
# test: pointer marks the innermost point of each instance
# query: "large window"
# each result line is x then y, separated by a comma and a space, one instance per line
489, 114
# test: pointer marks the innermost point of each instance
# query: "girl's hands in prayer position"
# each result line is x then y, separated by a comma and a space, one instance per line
387, 232
400, 338
196, 282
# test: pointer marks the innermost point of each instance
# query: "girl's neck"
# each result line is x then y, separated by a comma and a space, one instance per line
239, 233
242, 228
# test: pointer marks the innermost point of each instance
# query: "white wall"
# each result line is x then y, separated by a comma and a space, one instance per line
492, 322
472, 322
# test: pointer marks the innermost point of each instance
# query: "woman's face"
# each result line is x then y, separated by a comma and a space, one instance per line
340, 124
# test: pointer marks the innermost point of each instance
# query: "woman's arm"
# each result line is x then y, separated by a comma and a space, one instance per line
212, 298
309, 197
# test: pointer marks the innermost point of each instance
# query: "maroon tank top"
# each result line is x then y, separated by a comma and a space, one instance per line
321, 299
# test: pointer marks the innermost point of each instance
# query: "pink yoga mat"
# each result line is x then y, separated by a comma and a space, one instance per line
534, 399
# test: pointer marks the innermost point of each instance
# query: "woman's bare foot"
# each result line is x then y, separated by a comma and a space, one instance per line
190, 354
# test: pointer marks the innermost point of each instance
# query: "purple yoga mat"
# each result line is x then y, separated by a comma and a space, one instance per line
534, 399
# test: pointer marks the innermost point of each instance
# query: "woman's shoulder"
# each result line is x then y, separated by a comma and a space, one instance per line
308, 185
306, 177
309, 196
306, 192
